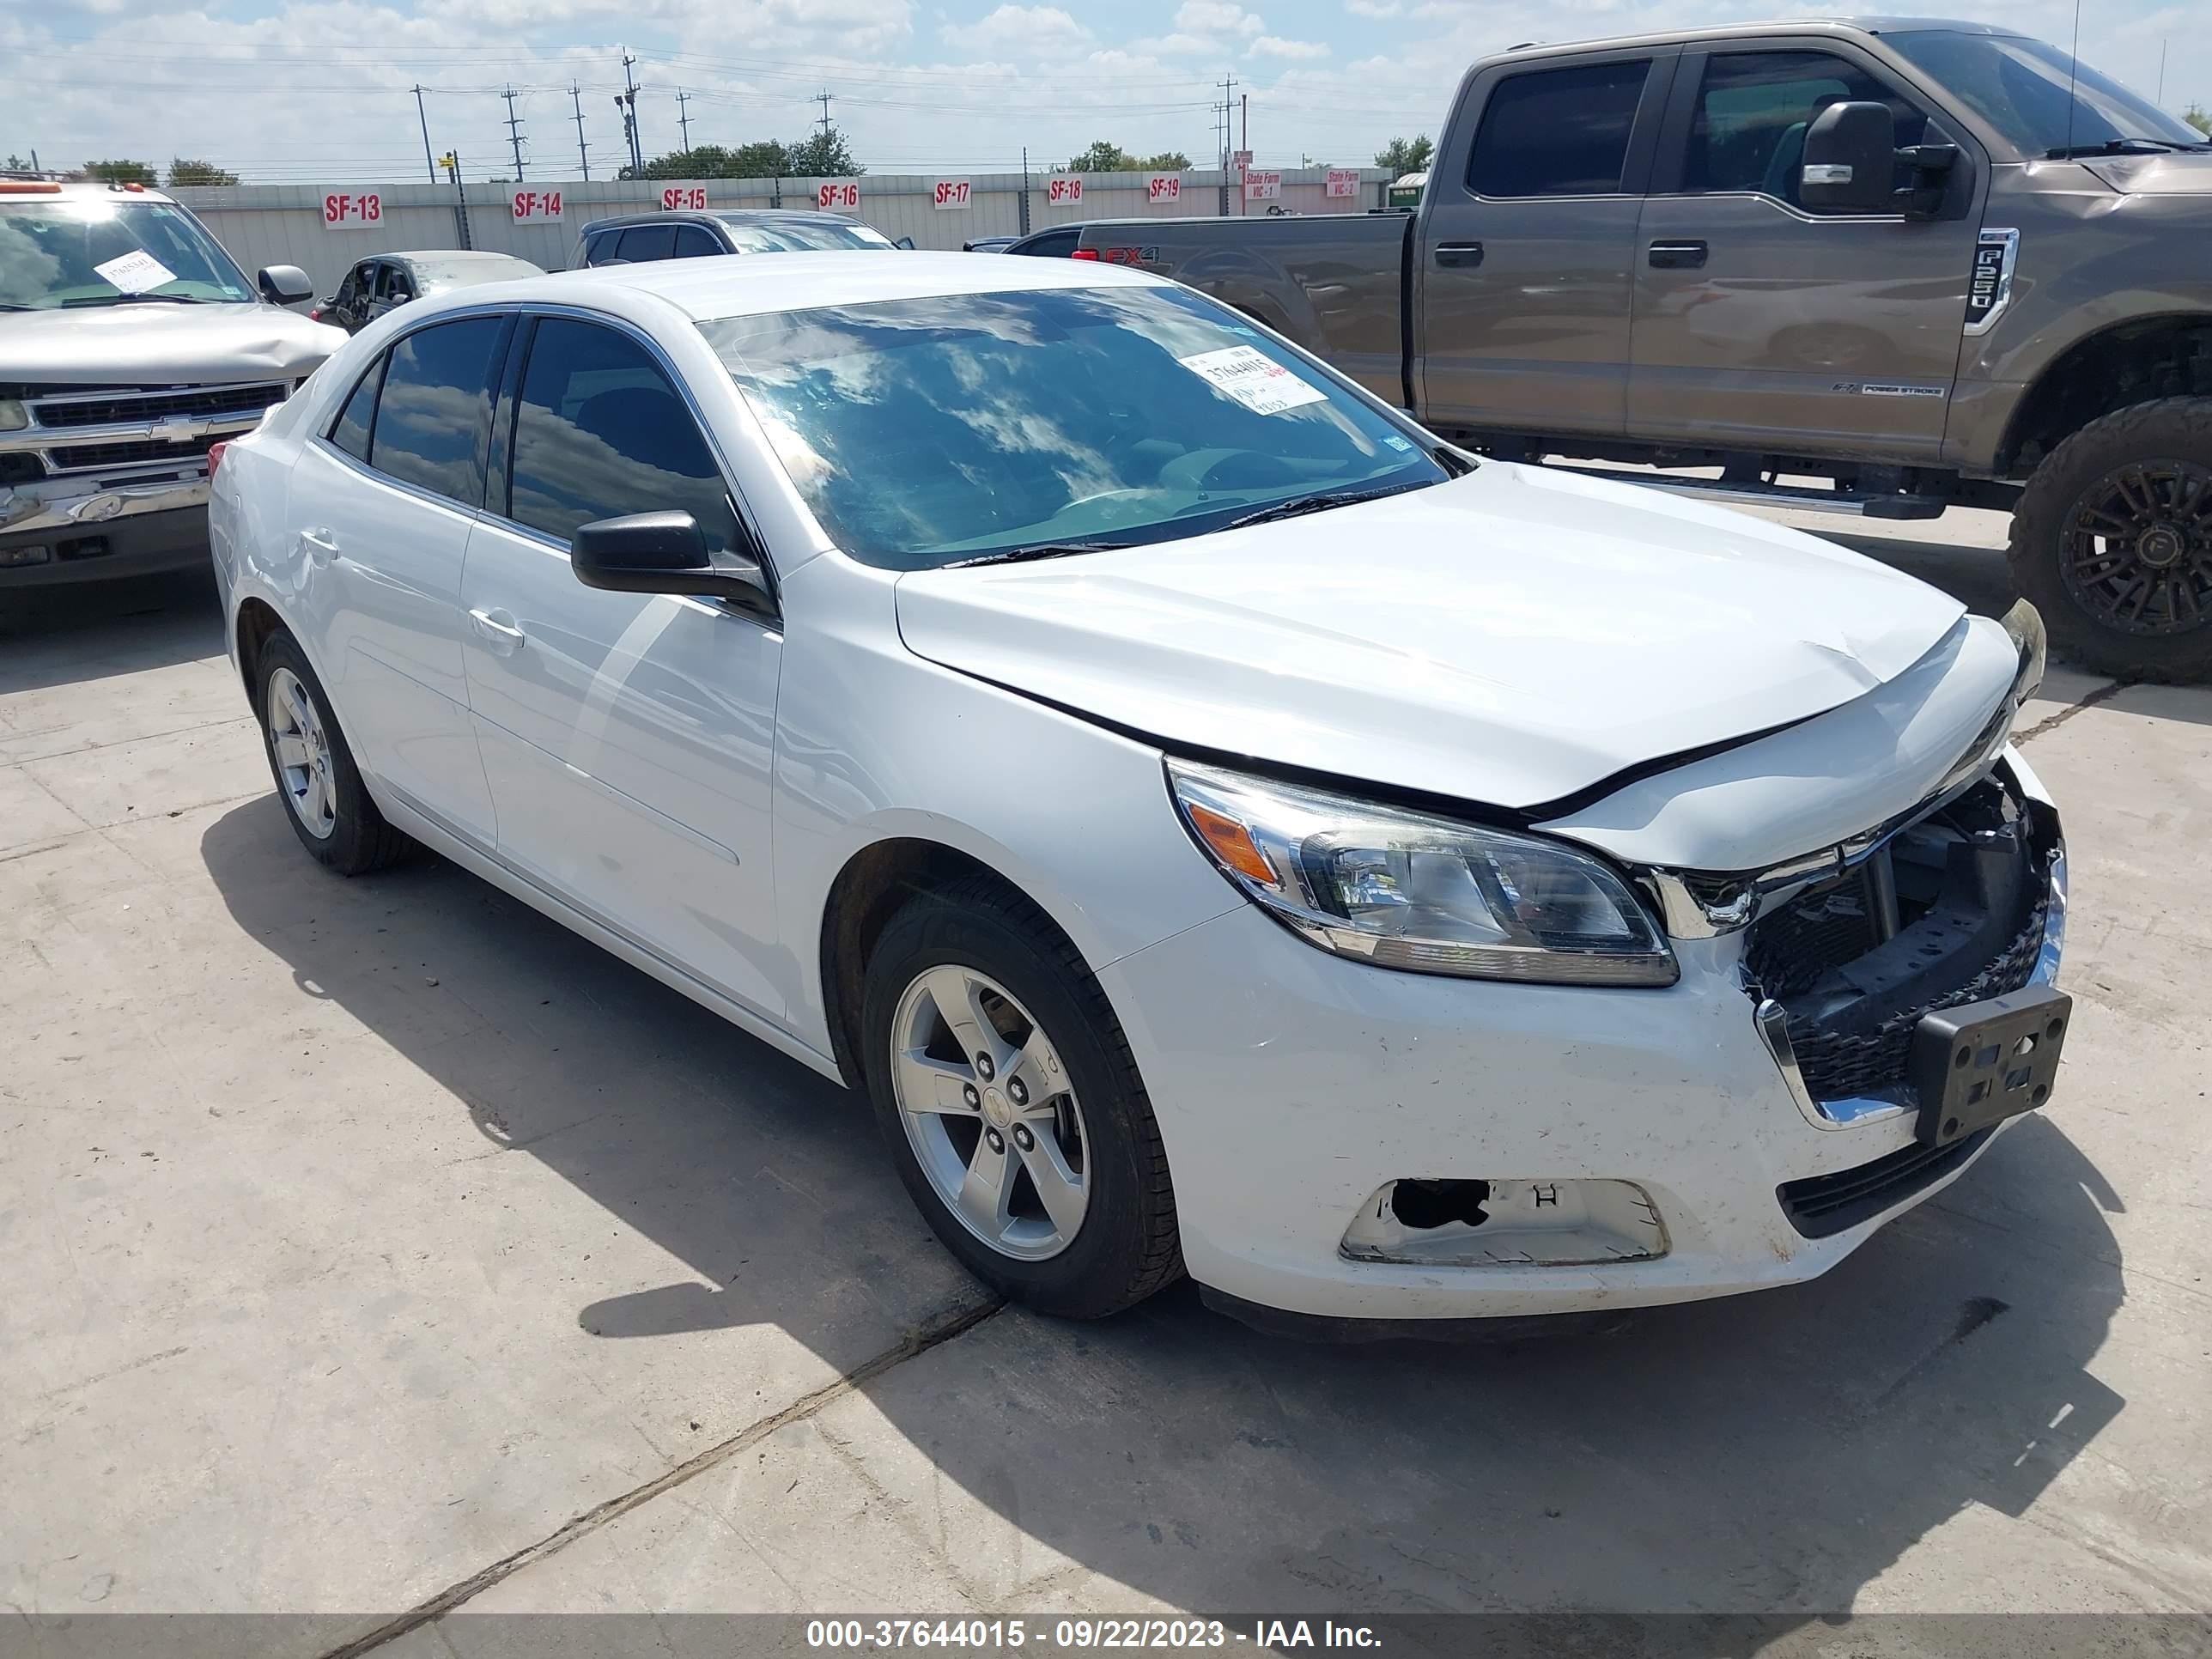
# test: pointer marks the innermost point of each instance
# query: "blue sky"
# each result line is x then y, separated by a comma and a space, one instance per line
317, 91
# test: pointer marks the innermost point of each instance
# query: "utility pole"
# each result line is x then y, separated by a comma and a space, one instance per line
683, 117
425, 120
1244, 143
576, 98
637, 145
513, 130
1025, 190
1228, 86
823, 99
452, 162
2160, 99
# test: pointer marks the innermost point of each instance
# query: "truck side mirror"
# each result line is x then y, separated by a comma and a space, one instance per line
1851, 159
284, 285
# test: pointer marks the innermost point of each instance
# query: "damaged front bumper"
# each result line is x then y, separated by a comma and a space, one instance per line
62, 531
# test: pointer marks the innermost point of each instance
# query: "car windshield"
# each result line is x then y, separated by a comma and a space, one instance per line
93, 250
800, 236
930, 432
2044, 101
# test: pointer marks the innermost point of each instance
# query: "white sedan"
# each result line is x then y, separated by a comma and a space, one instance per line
1219, 826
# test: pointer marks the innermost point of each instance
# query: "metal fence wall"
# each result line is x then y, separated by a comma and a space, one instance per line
282, 224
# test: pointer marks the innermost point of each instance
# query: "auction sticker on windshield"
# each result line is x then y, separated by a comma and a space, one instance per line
135, 272
1253, 378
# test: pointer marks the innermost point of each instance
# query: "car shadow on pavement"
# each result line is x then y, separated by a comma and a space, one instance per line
87, 630
1774, 1452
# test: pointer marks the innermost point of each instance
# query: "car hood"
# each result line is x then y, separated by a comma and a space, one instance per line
162, 345
2184, 172
1513, 637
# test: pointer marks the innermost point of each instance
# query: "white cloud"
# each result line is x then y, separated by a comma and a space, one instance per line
1020, 29
1181, 45
1274, 45
1217, 17
1373, 8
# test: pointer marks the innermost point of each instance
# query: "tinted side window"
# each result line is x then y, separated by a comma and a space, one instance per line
359, 415
643, 242
435, 412
1558, 132
598, 249
692, 243
1749, 131
599, 433
1056, 246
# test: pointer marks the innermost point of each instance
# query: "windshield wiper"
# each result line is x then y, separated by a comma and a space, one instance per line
1320, 503
9, 304
1042, 550
135, 299
2118, 147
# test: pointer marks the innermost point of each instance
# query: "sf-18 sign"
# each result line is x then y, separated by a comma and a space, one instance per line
1062, 188
684, 198
352, 210
952, 192
537, 207
1261, 187
1163, 187
842, 193
1343, 181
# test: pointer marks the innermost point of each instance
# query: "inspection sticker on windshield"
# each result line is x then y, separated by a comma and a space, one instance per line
1253, 378
135, 272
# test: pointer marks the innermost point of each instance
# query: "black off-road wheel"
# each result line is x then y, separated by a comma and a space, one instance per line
2113, 542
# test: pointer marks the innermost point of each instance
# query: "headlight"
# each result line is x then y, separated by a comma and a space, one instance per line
14, 417
1408, 891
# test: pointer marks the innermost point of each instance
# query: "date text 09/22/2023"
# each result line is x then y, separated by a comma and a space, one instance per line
870, 1635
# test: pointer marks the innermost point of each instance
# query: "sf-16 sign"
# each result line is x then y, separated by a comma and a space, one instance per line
844, 194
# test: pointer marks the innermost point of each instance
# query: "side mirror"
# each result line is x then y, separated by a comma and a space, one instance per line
663, 553
1851, 159
906, 242
284, 285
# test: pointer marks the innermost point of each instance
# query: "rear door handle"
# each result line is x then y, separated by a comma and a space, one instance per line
322, 547
1677, 256
497, 629
1459, 256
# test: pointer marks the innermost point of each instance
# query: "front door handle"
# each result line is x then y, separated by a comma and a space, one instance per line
497, 629
322, 546
1677, 256
1459, 256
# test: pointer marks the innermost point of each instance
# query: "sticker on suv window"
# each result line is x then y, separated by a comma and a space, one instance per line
1253, 379
135, 272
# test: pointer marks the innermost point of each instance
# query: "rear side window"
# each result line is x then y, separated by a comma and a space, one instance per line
599, 434
359, 415
1058, 245
1558, 132
692, 243
642, 242
435, 412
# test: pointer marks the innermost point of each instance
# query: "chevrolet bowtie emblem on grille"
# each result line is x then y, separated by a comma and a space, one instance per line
179, 429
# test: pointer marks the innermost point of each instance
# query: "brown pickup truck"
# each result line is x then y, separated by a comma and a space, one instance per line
1932, 264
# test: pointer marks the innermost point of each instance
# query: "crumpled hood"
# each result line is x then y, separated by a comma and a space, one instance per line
162, 345
2184, 173
1512, 637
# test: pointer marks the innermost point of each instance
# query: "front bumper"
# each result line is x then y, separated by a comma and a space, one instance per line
92, 534
1291, 1085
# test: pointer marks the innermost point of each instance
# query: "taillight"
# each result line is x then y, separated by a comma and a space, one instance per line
1085, 253
315, 314
214, 455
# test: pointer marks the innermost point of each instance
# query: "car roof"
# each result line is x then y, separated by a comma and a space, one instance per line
451, 256
1693, 32
702, 289
723, 216
33, 190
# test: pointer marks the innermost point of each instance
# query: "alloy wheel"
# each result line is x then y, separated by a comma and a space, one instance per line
990, 1112
2138, 554
304, 767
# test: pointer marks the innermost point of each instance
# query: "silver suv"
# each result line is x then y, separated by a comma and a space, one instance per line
129, 342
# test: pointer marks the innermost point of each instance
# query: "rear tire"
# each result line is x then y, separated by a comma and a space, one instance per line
2112, 540
317, 782
1043, 1000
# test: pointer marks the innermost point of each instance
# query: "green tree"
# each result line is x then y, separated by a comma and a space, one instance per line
185, 171
1404, 155
2200, 117
823, 155
121, 172
1101, 157
1168, 161
764, 160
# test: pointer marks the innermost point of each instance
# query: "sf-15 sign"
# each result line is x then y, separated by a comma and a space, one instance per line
537, 207
352, 210
684, 198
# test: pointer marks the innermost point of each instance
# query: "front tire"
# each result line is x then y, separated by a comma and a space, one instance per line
2112, 540
1007, 1094
320, 787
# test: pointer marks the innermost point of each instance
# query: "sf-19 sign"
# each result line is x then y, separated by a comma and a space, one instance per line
841, 193
952, 193
1163, 187
684, 198
1062, 188
537, 207
352, 210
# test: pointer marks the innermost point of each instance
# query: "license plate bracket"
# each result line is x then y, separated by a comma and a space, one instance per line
1982, 1062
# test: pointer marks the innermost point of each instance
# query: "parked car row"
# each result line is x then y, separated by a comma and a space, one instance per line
1200, 808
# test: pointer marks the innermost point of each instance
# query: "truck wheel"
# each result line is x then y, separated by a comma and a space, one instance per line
2113, 542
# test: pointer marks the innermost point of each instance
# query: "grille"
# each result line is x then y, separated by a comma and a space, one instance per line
135, 451
1822, 1204
1792, 948
204, 400
1837, 1066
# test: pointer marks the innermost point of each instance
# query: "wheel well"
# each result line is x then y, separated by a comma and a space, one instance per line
2128, 363
868, 891
256, 623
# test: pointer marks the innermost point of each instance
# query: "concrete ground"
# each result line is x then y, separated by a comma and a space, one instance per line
376, 1246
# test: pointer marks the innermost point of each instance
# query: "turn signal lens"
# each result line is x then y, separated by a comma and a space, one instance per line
215, 455
1231, 843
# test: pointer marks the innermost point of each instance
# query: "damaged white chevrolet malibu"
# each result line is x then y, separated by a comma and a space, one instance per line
1220, 827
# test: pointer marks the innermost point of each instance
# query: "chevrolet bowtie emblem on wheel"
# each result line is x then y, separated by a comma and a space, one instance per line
179, 429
